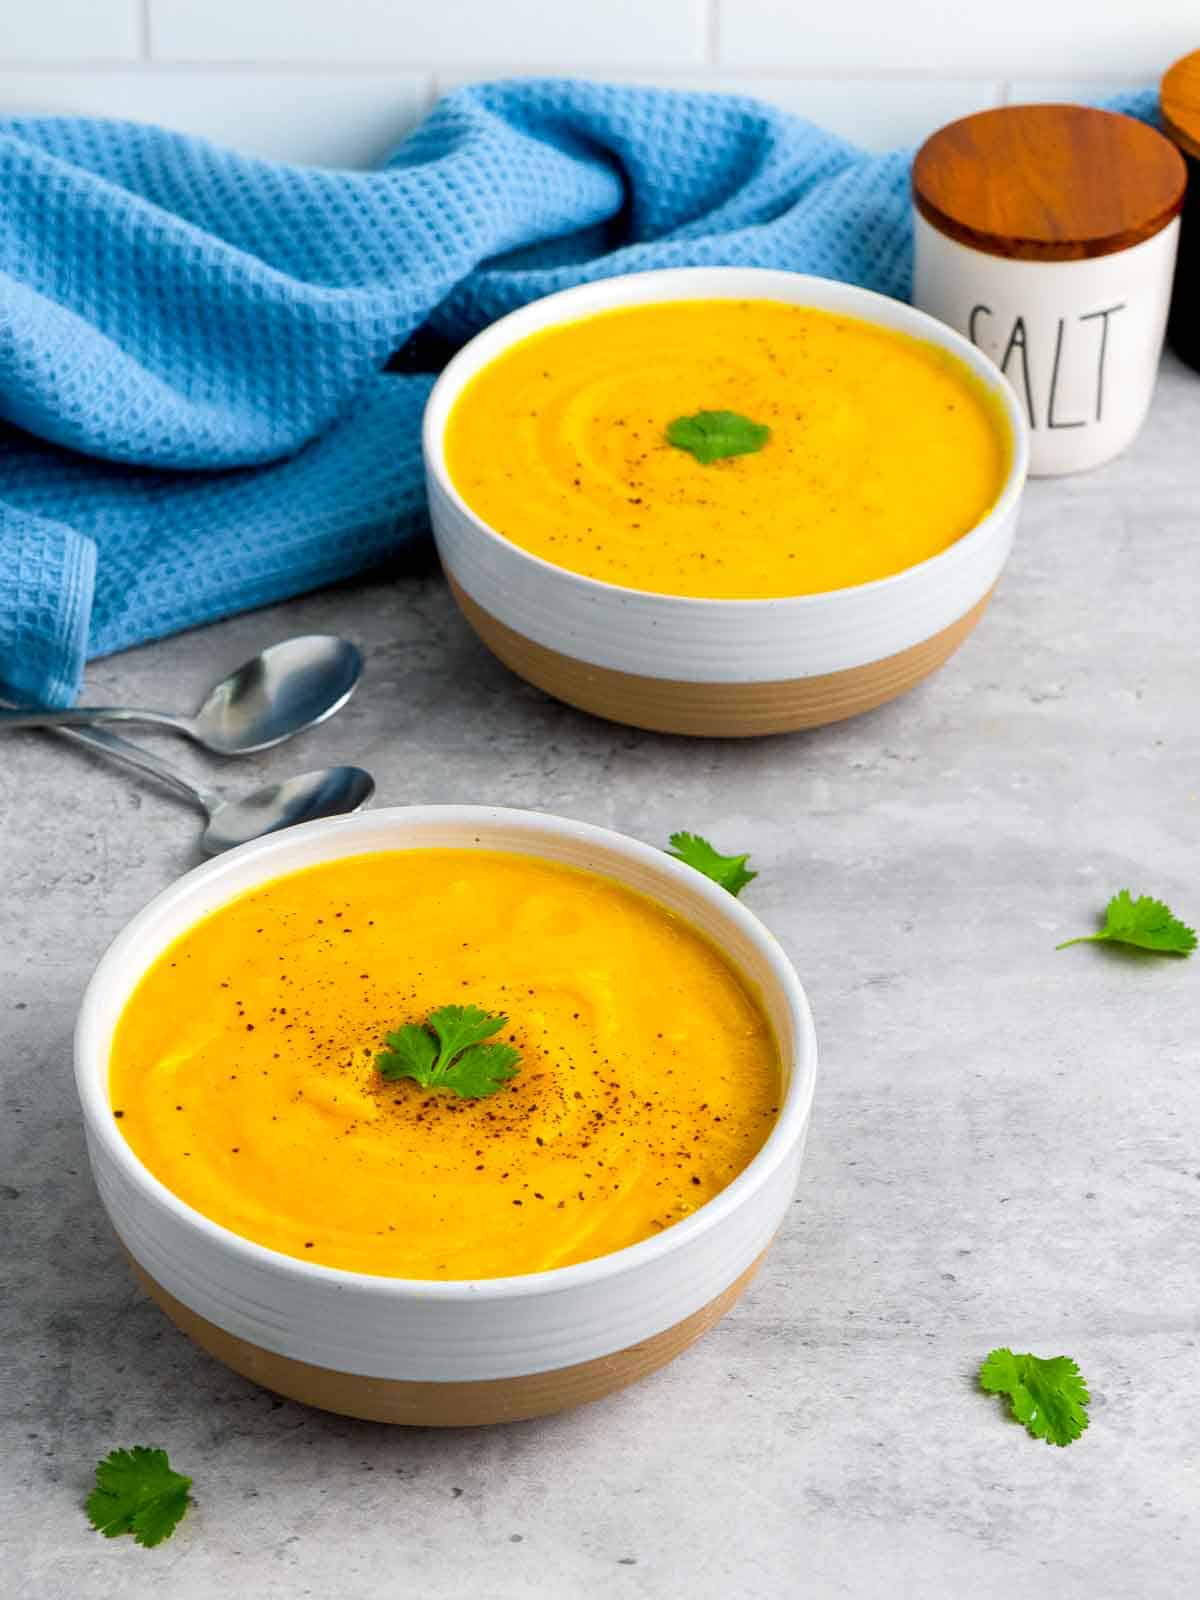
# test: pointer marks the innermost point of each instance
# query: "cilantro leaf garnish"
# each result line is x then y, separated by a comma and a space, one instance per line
412, 1055
137, 1492
712, 435
729, 871
1047, 1394
457, 1059
1143, 922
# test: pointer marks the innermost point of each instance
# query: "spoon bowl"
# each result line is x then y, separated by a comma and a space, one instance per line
289, 687
330, 792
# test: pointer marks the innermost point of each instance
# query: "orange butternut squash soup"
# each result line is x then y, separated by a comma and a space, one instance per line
868, 450
245, 1070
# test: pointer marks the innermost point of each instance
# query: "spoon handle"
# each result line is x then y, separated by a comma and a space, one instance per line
132, 755
86, 716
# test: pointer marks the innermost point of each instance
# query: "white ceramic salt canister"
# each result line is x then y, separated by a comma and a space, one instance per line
1047, 235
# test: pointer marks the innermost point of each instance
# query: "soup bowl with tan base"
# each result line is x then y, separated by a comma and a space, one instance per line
717, 667
443, 1353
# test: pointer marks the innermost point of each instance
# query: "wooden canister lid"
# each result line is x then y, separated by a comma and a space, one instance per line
1048, 182
1179, 98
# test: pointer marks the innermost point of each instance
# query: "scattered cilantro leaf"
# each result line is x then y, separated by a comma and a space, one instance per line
1047, 1394
137, 1492
458, 1058
1143, 922
729, 871
712, 435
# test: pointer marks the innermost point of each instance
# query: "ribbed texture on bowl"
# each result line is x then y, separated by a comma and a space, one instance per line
449, 1404
365, 1327
715, 641
409, 1330
717, 710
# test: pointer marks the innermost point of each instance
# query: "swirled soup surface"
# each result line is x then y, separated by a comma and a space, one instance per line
883, 451
243, 1068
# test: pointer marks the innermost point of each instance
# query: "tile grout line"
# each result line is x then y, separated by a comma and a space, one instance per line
713, 40
145, 51
424, 66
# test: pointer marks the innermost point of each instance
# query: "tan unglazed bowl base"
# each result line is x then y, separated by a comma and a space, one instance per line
716, 710
446, 1405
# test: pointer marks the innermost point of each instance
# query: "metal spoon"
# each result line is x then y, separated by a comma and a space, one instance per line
331, 792
290, 687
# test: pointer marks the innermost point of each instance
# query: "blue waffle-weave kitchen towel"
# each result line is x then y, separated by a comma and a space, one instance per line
194, 419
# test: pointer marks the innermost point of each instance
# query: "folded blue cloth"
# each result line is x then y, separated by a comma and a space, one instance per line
195, 415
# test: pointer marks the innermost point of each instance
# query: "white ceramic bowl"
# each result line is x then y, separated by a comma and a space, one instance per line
717, 667
442, 1353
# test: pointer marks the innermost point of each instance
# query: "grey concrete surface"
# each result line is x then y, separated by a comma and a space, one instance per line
1005, 1145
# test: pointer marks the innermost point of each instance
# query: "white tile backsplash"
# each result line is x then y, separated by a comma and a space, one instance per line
337, 82
1076, 91
312, 118
878, 113
1008, 38
524, 34
355, 119
70, 30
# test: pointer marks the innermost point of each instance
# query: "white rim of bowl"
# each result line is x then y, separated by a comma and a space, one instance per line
527, 320
91, 1071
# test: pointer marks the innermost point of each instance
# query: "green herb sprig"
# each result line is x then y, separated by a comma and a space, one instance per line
729, 871
1144, 923
137, 1492
1048, 1394
713, 435
447, 1051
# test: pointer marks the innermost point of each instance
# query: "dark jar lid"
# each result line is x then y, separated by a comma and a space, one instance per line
1179, 99
1048, 182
